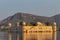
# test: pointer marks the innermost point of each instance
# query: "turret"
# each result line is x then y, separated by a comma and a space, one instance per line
54, 26
10, 25
24, 23
39, 24
18, 24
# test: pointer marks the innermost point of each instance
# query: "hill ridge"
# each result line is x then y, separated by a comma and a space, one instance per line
30, 17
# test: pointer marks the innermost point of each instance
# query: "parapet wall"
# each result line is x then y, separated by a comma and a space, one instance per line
39, 28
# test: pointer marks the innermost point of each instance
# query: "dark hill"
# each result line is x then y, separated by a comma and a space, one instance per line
29, 17
57, 19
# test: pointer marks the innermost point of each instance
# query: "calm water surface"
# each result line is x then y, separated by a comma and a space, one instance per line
3, 35
40, 36
30, 36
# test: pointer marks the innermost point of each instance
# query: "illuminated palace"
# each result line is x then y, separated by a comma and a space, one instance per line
40, 27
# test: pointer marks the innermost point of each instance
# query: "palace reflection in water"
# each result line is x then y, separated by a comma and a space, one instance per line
40, 36
34, 36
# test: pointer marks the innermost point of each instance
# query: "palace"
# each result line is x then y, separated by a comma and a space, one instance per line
40, 27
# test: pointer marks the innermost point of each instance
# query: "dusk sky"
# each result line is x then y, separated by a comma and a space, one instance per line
36, 7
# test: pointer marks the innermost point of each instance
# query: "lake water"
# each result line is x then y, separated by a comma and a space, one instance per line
30, 36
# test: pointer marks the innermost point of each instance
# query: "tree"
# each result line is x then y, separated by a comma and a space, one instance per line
21, 23
47, 23
33, 23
